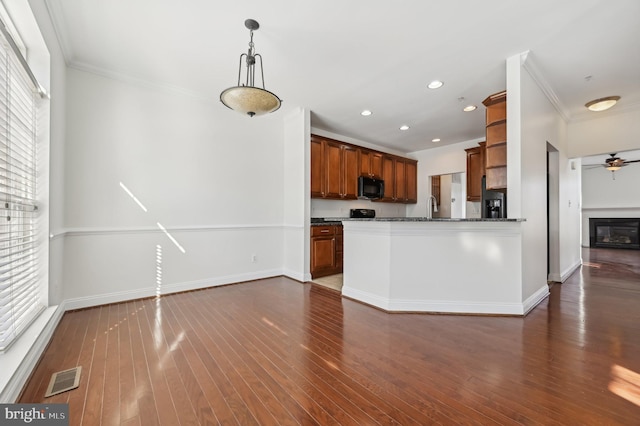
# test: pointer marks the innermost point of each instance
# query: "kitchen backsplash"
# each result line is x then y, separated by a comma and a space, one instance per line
337, 208
473, 210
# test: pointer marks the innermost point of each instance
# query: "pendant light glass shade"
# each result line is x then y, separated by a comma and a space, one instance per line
246, 98
250, 100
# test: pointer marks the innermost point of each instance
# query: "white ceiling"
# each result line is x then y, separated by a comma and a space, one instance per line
340, 57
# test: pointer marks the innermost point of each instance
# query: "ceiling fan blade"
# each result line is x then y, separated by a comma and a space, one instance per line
632, 161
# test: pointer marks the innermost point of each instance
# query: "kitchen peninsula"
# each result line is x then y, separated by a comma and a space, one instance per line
471, 266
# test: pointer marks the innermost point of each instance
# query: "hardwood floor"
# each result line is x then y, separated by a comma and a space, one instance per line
279, 352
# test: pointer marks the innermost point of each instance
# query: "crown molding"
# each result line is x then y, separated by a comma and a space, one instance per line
529, 64
136, 81
57, 20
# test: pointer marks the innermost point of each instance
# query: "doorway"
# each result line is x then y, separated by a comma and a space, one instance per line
450, 195
553, 214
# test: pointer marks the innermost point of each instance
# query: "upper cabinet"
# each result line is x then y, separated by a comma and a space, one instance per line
370, 163
400, 177
334, 169
336, 166
317, 168
475, 171
411, 177
496, 147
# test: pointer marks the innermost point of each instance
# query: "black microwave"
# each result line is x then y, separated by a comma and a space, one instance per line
370, 188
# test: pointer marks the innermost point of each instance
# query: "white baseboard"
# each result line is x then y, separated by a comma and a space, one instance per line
562, 277
122, 296
296, 275
533, 300
439, 306
570, 270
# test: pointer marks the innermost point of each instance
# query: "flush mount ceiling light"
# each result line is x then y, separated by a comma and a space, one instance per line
469, 108
366, 113
404, 127
435, 140
602, 104
435, 84
247, 98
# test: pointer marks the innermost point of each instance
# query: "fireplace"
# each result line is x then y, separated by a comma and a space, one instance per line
614, 233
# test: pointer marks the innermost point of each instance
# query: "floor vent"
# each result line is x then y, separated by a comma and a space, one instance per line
63, 381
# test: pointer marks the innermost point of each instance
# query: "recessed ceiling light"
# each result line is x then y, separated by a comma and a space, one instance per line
602, 103
404, 127
366, 112
469, 108
435, 140
435, 84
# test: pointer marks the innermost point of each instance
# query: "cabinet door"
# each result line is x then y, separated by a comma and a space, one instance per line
400, 178
339, 255
317, 170
350, 171
370, 163
333, 169
376, 165
364, 161
322, 254
474, 174
388, 175
411, 173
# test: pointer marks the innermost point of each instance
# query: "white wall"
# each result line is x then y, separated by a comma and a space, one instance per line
213, 178
532, 123
297, 188
605, 132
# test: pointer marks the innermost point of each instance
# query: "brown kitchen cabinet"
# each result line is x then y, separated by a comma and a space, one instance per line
400, 177
475, 171
326, 250
334, 169
496, 143
411, 176
317, 168
370, 163
389, 177
336, 166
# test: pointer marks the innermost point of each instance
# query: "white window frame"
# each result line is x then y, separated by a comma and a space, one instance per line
21, 280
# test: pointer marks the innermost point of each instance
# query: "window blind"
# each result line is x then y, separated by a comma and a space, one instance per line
20, 300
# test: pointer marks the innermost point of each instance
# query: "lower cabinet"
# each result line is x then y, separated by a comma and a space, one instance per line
326, 250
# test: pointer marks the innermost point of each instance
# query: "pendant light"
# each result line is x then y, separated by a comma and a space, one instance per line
246, 97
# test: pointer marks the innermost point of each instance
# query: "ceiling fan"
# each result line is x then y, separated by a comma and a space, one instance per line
614, 163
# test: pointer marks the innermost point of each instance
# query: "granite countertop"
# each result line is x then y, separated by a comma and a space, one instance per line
328, 222
338, 220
